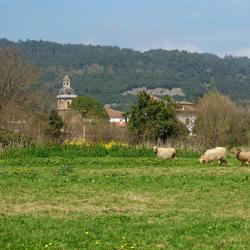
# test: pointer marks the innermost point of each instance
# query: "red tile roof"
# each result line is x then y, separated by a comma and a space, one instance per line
112, 113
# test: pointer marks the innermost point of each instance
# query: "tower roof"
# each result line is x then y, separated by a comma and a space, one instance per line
66, 91
66, 78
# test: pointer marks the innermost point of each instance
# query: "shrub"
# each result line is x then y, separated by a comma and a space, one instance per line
8, 138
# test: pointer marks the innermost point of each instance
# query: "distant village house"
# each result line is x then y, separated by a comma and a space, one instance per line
116, 118
186, 113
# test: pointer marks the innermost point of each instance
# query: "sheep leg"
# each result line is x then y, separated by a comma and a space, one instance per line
223, 160
243, 163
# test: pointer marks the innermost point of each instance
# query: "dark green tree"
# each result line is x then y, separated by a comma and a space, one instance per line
55, 124
152, 120
89, 108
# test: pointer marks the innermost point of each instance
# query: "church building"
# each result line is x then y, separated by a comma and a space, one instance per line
65, 96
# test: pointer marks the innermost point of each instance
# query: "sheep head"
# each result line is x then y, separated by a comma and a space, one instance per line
155, 149
238, 152
202, 160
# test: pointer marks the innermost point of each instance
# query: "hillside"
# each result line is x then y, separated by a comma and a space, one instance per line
106, 72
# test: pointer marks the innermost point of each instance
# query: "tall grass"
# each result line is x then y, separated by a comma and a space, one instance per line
74, 151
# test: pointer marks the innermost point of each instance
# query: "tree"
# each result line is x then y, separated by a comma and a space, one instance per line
109, 71
15, 75
89, 108
20, 106
152, 120
219, 122
55, 126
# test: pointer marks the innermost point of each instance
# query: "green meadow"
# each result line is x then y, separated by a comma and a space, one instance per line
118, 197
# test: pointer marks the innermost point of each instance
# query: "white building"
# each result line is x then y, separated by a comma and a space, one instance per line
186, 113
116, 118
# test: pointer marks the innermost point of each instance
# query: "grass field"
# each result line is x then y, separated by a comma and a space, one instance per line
98, 198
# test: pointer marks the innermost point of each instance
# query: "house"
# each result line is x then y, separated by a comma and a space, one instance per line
186, 113
116, 118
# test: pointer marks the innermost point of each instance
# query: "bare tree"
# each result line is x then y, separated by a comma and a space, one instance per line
15, 74
19, 105
220, 122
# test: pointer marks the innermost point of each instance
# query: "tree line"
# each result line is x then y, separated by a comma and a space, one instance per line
105, 72
219, 120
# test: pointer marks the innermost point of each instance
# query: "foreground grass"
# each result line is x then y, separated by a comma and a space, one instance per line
121, 200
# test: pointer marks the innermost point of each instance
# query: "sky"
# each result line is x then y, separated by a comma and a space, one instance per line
221, 27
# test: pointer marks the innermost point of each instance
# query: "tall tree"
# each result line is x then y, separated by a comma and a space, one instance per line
15, 75
89, 108
56, 124
152, 120
219, 122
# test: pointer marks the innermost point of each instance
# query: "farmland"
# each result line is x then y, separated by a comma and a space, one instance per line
97, 197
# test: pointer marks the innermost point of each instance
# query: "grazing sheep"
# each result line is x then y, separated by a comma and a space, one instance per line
165, 153
214, 154
244, 157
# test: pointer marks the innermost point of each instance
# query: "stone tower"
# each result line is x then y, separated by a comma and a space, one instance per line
65, 96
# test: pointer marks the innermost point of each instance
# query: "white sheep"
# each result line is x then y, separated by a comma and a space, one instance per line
165, 153
244, 157
214, 154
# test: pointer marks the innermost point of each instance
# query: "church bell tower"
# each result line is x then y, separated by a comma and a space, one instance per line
65, 96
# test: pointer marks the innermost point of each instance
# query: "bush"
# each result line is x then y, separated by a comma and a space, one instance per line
8, 138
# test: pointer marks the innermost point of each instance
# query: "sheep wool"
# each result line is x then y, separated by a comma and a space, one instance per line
165, 153
244, 157
214, 154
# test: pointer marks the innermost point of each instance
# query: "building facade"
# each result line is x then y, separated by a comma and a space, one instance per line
116, 118
186, 113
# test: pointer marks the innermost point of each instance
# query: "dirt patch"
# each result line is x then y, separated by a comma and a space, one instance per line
104, 203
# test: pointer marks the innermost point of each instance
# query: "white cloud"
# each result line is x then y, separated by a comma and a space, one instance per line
241, 52
164, 44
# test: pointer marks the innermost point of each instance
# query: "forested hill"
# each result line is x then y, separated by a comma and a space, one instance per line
106, 72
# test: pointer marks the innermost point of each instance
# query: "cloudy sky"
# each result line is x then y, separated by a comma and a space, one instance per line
215, 26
